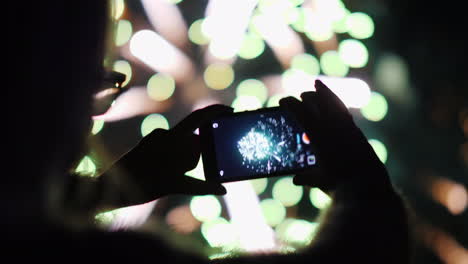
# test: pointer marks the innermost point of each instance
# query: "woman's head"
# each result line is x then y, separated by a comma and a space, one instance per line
51, 105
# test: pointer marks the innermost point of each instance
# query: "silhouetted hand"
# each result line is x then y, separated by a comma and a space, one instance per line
157, 165
344, 154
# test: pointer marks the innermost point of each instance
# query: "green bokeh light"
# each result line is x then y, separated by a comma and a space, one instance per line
286, 192
332, 64
306, 63
153, 121
353, 53
174, 1
219, 232
123, 32
124, 67
160, 86
379, 149
246, 103
197, 172
118, 8
196, 34
299, 23
360, 25
259, 185
318, 198
273, 211
86, 167
205, 208
105, 218
318, 31
294, 82
253, 87
339, 26
98, 125
291, 15
376, 109
274, 99
218, 76
296, 231
252, 46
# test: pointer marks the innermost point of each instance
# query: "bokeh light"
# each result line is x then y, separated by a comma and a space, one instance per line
353, 53
247, 216
205, 208
444, 245
218, 76
123, 32
118, 8
246, 103
181, 220
379, 149
452, 195
286, 192
252, 46
219, 232
105, 218
98, 125
273, 211
152, 122
360, 25
318, 198
226, 24
259, 185
124, 67
274, 99
196, 34
86, 167
159, 54
294, 82
376, 109
299, 21
306, 63
339, 25
353, 92
296, 231
332, 64
317, 29
253, 87
197, 172
174, 1
391, 75
160, 86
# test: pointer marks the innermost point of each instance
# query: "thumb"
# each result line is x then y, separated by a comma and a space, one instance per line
194, 186
315, 177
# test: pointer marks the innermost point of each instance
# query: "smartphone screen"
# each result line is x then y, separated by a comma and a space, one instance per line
255, 144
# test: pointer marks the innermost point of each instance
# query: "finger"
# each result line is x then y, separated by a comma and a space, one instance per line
310, 103
194, 186
198, 117
294, 106
308, 120
328, 102
315, 177
187, 151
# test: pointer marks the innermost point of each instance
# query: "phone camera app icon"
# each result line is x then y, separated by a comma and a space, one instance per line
311, 160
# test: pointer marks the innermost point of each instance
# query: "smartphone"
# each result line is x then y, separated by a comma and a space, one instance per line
255, 144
